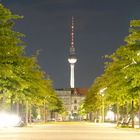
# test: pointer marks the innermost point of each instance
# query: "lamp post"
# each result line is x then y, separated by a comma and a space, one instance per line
103, 104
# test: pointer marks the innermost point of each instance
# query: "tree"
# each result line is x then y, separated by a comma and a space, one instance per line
21, 78
11, 48
121, 75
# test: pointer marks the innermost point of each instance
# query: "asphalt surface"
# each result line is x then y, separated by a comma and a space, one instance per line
69, 131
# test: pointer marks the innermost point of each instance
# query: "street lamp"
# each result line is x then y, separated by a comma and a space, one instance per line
102, 92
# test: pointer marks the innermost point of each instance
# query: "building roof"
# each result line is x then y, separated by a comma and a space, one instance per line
80, 91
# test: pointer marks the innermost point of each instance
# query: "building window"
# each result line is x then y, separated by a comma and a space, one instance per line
75, 107
75, 101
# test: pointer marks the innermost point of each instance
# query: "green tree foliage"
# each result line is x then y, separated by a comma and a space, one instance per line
121, 75
21, 78
125, 65
93, 99
11, 49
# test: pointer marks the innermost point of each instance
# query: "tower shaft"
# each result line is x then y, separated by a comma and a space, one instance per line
72, 82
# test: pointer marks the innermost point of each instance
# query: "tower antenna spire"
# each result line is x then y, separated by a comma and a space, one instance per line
72, 33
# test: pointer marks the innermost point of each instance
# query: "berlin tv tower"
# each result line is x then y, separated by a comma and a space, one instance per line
72, 56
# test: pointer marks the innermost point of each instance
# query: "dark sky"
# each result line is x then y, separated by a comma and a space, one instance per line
100, 28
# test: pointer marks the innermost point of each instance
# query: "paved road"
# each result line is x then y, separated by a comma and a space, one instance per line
73, 131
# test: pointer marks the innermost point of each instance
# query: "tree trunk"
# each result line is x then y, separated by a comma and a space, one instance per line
11, 103
26, 115
132, 114
117, 110
17, 108
3, 101
22, 111
45, 112
30, 114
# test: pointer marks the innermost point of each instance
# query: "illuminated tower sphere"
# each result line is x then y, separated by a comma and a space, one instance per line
72, 56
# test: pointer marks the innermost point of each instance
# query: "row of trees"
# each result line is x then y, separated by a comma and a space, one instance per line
21, 78
121, 78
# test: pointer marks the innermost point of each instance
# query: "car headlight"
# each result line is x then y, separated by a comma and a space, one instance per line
7, 119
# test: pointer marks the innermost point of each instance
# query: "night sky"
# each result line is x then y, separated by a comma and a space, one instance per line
100, 28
